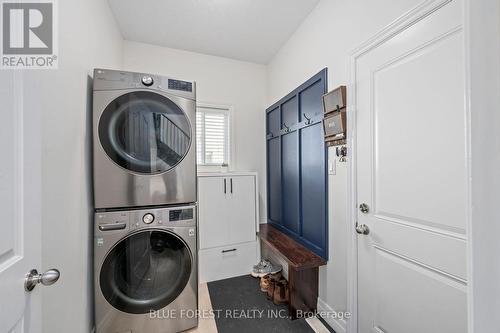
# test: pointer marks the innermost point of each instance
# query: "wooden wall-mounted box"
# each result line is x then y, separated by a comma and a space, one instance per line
335, 120
335, 124
335, 100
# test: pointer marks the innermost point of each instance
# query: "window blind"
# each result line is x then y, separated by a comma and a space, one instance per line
212, 136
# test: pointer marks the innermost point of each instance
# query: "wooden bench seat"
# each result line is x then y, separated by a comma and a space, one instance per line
303, 272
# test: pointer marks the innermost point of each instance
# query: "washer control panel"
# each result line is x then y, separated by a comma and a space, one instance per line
184, 216
116, 222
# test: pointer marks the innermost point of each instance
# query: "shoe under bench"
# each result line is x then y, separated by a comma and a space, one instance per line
300, 266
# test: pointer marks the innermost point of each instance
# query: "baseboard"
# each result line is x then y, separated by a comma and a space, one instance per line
339, 325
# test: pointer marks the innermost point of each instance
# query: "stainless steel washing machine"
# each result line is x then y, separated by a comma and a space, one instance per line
144, 140
145, 270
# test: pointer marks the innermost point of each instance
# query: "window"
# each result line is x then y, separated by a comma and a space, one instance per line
212, 136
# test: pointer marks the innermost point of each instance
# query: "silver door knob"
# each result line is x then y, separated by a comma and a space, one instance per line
48, 278
362, 229
364, 208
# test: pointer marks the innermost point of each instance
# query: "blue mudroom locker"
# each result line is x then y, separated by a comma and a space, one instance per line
297, 165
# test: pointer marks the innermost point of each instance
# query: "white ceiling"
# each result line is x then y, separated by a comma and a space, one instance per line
250, 30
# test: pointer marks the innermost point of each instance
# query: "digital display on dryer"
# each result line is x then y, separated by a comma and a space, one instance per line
180, 214
180, 85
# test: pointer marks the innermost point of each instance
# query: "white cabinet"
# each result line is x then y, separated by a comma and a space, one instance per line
227, 224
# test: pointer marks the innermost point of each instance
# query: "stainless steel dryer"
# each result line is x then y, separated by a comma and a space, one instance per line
144, 140
145, 270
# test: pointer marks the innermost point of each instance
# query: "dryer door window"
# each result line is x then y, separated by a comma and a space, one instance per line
144, 132
145, 271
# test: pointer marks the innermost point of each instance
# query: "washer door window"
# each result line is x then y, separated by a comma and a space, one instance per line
144, 132
145, 271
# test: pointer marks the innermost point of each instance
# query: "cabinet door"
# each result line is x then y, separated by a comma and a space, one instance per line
213, 214
241, 209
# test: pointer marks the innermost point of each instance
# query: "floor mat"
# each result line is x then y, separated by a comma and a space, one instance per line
240, 307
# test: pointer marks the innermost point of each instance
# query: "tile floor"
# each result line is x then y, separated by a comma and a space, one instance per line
207, 325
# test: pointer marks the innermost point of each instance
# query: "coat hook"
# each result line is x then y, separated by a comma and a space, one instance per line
308, 120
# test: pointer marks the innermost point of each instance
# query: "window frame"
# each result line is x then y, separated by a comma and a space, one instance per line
218, 108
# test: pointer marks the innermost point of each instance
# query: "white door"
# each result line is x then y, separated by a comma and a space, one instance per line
213, 206
412, 176
20, 235
241, 209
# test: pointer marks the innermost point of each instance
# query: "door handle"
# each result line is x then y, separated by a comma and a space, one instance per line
362, 229
231, 184
112, 226
48, 278
224, 185
364, 208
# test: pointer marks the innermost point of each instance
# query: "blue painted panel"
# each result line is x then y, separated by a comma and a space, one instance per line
273, 121
311, 100
300, 158
290, 112
314, 186
274, 180
290, 181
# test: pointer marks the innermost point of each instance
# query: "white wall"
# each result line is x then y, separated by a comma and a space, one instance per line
88, 38
218, 81
325, 39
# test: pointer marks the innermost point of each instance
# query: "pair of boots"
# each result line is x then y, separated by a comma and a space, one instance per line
276, 288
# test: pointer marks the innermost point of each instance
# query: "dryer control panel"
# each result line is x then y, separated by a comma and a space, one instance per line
106, 79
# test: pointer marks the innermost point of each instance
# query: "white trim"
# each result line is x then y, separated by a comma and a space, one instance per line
338, 325
351, 209
400, 24
317, 325
232, 144
482, 54
468, 227
257, 208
